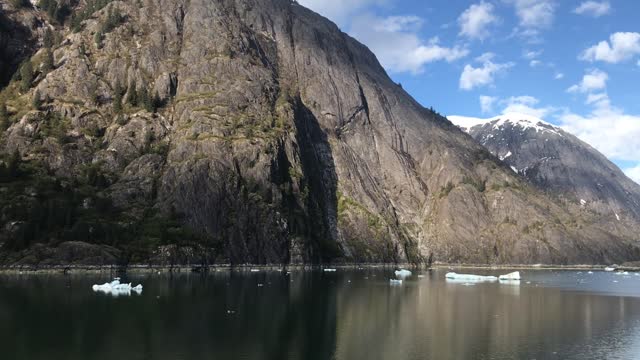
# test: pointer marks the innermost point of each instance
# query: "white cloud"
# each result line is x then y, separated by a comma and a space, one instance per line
535, 63
399, 23
339, 10
486, 103
593, 8
530, 55
593, 80
633, 173
608, 129
533, 15
525, 105
476, 20
472, 77
558, 76
396, 43
622, 46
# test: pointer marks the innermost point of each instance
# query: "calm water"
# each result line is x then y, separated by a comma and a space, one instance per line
350, 315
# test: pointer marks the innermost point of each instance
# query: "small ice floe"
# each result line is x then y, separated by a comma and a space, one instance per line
260, 285
469, 278
510, 276
116, 288
402, 273
420, 276
255, 270
622, 273
609, 268
329, 270
395, 282
590, 272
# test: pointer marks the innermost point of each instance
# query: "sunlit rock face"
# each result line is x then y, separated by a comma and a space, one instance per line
277, 139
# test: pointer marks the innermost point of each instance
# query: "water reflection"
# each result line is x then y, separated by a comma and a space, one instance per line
319, 315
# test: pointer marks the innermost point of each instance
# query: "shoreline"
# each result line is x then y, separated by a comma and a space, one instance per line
197, 268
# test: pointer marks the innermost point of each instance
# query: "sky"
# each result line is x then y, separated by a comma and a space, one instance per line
573, 63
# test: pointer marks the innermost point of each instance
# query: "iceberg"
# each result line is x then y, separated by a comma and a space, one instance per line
116, 288
511, 276
469, 277
329, 270
402, 273
609, 268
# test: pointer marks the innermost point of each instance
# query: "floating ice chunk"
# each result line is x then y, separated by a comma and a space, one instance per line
421, 276
511, 276
609, 268
255, 270
622, 273
115, 288
590, 272
395, 282
402, 273
329, 270
469, 277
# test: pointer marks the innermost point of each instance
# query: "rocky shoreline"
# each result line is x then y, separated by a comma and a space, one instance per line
142, 268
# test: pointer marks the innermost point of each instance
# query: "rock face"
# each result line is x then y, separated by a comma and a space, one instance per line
558, 163
276, 139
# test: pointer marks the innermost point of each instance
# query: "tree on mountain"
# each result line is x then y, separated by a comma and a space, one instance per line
37, 100
26, 76
47, 61
48, 38
145, 100
4, 117
133, 94
19, 3
117, 98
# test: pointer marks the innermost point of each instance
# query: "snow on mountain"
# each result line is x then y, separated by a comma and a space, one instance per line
515, 119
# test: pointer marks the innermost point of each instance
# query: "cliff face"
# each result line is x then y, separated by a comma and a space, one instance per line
256, 131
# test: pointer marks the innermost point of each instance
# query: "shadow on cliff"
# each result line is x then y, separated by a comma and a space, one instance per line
320, 177
16, 45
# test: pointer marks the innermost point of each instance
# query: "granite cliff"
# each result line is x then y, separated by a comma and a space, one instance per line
248, 131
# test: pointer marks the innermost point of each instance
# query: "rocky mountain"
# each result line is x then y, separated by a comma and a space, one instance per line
558, 163
250, 131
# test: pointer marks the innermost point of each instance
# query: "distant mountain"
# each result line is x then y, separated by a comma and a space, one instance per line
558, 163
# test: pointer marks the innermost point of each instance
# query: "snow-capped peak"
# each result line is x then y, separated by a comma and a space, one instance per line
522, 120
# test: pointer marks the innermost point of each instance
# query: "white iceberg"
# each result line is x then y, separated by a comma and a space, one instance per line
511, 276
402, 273
609, 268
469, 277
329, 270
116, 288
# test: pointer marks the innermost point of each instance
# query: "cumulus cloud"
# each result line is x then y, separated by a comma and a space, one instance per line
633, 173
398, 46
593, 8
525, 104
531, 54
339, 10
622, 46
484, 75
533, 15
486, 103
593, 80
558, 76
476, 21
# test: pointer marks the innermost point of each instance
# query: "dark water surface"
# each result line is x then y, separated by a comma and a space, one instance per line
346, 315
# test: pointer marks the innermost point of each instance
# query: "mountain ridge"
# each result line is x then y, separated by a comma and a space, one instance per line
255, 131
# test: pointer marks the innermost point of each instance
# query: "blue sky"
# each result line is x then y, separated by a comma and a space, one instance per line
574, 63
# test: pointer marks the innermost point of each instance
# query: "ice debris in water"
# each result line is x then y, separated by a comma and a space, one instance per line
329, 270
402, 273
469, 277
395, 282
609, 268
511, 276
116, 288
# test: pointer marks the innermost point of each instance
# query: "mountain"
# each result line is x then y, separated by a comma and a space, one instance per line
251, 131
558, 163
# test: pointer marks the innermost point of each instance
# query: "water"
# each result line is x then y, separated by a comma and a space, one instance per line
314, 315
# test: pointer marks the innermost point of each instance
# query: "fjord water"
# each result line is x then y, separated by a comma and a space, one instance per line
348, 314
